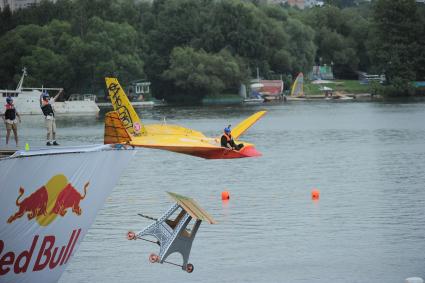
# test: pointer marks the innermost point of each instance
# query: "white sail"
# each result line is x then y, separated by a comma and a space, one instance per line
298, 86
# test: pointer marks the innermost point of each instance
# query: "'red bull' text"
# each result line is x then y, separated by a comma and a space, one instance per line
46, 256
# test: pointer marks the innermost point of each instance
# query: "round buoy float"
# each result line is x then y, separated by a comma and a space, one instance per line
315, 194
225, 195
131, 235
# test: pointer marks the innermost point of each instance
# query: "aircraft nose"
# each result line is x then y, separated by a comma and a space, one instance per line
251, 151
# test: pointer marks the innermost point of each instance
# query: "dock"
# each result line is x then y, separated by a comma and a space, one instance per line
135, 104
4, 151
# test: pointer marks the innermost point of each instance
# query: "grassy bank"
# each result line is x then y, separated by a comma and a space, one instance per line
310, 89
343, 86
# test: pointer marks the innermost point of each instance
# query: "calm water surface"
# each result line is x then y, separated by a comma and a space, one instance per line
367, 159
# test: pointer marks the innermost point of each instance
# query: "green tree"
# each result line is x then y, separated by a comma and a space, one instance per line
14, 45
300, 46
46, 67
6, 20
109, 49
173, 23
195, 74
393, 42
339, 39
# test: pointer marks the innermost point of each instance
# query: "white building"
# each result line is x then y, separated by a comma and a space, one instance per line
299, 3
19, 4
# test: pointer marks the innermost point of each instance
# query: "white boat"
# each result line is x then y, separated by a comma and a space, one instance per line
49, 199
253, 100
264, 90
339, 97
268, 90
27, 101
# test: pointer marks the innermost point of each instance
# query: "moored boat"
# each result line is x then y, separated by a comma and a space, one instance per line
253, 100
49, 199
27, 101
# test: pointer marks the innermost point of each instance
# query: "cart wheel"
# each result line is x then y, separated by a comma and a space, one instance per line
189, 268
153, 258
131, 235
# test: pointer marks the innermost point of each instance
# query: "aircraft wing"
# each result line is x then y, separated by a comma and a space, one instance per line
172, 130
173, 138
246, 124
162, 140
207, 148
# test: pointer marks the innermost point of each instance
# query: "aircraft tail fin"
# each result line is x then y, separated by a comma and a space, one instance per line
246, 124
126, 113
114, 129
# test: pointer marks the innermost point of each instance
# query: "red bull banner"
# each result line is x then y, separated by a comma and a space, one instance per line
49, 199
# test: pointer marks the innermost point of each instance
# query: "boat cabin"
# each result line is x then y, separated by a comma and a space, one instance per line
9, 93
139, 90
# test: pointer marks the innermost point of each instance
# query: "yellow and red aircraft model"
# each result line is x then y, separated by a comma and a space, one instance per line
124, 126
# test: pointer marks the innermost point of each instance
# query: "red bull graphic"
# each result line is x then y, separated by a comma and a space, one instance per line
35, 204
69, 198
45, 213
48, 255
50, 200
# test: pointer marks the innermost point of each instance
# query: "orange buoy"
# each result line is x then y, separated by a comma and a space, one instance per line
225, 195
315, 194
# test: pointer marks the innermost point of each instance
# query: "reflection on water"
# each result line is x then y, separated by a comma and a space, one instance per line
367, 159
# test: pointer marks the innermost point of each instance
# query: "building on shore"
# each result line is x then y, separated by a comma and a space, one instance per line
301, 4
19, 4
139, 90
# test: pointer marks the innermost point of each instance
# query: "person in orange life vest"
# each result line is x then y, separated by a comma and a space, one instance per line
227, 140
46, 104
11, 118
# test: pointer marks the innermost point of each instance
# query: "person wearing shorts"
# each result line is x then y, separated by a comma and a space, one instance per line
49, 115
11, 118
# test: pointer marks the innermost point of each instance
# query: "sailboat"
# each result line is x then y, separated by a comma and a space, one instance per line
297, 90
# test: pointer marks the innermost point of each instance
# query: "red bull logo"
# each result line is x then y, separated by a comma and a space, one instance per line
48, 201
48, 254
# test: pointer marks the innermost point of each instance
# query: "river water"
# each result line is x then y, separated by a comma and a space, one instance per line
367, 160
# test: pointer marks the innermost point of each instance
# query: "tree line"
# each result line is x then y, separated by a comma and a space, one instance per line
191, 48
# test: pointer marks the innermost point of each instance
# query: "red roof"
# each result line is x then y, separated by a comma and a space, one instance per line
271, 87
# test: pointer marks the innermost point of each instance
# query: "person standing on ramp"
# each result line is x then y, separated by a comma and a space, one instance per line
46, 104
11, 118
